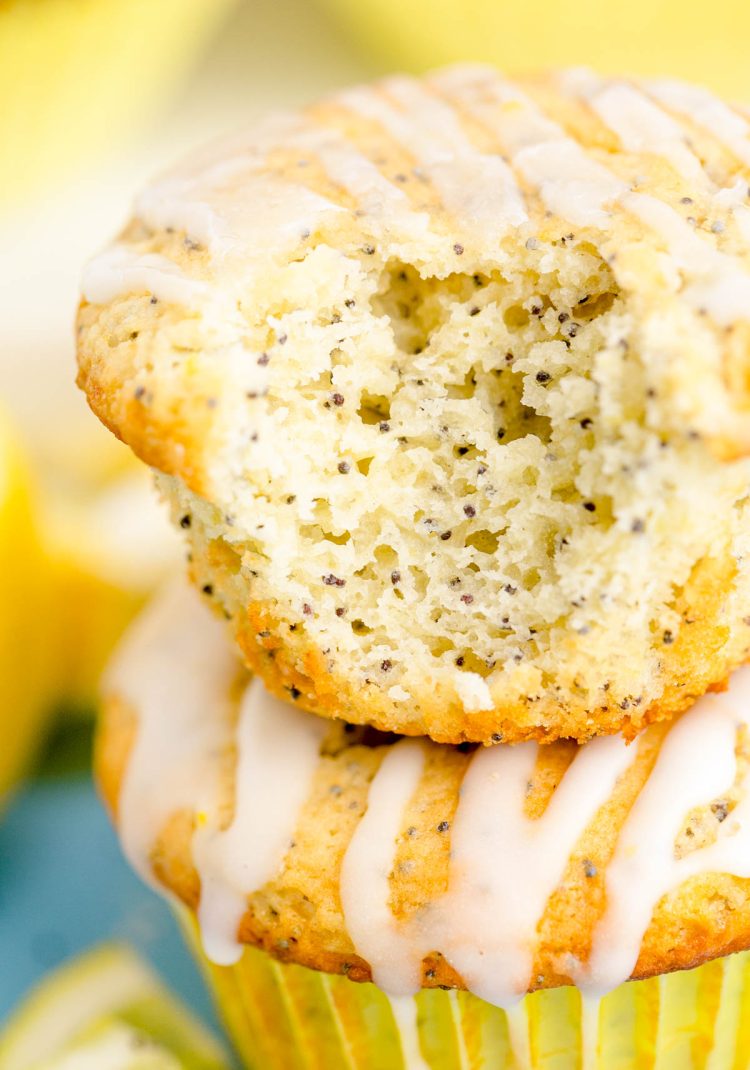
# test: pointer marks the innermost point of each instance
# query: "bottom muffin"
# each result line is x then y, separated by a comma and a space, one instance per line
458, 879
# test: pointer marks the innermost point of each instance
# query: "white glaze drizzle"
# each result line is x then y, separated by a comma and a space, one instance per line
717, 285
569, 182
503, 867
278, 751
734, 199
464, 1062
696, 765
120, 270
707, 111
248, 217
174, 669
590, 1011
367, 866
578, 188
640, 125
518, 1035
405, 1012
266, 219
382, 202
477, 188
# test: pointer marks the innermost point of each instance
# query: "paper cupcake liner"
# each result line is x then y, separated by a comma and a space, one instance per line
287, 1017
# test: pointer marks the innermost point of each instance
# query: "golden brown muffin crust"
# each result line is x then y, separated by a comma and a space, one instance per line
562, 382
297, 917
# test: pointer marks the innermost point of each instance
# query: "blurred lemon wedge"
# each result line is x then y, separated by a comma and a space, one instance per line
106, 1011
78, 77
28, 656
111, 544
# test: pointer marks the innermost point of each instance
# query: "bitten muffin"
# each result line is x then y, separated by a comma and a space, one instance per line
498, 870
447, 383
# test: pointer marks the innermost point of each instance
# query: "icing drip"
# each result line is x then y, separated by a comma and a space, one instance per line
569, 182
707, 111
405, 1012
590, 1010
477, 188
246, 218
518, 1035
383, 203
184, 718
717, 284
278, 750
696, 765
121, 270
464, 1062
578, 188
267, 220
185, 731
504, 866
366, 869
642, 126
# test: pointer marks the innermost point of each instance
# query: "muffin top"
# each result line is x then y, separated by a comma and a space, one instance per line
500, 869
446, 381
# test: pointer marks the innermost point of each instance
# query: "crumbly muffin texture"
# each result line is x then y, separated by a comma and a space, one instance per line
456, 431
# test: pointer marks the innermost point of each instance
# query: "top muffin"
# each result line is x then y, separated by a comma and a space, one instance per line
447, 383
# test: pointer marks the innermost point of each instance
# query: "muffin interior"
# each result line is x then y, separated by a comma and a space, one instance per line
447, 477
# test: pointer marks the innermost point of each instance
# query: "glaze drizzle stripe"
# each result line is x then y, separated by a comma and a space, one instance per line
477, 188
384, 204
278, 751
696, 765
503, 867
703, 108
640, 125
120, 269
567, 180
367, 867
576, 187
405, 1014
184, 718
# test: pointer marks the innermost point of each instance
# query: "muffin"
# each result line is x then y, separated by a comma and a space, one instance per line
446, 381
452, 881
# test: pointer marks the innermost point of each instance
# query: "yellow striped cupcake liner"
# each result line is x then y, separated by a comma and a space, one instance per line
287, 1017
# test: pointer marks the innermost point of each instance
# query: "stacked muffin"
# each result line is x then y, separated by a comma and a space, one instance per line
446, 383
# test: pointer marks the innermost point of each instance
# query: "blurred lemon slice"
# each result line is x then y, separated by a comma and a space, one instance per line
111, 544
106, 1011
27, 647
